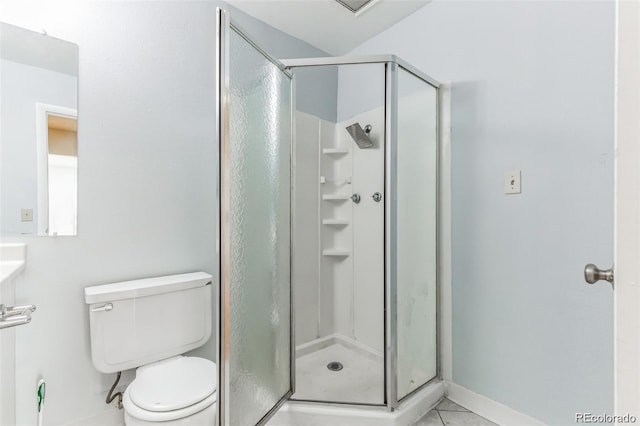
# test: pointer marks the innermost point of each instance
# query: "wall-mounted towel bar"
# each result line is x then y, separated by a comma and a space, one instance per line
11, 316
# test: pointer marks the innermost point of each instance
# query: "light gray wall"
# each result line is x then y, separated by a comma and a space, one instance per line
147, 179
316, 88
533, 89
316, 91
360, 89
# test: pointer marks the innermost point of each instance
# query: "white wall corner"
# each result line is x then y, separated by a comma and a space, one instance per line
488, 408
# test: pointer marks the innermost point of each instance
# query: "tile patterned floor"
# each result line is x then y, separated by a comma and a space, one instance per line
451, 414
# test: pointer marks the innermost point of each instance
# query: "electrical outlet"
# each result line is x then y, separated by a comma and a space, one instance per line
512, 182
26, 215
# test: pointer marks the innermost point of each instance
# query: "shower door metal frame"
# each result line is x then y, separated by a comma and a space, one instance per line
390, 249
392, 65
225, 25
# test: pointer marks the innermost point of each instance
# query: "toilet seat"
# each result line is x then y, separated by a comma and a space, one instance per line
172, 389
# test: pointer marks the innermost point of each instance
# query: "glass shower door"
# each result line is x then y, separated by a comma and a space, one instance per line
413, 232
255, 127
416, 232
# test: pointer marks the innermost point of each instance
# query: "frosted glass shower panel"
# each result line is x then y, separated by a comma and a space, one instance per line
259, 179
416, 206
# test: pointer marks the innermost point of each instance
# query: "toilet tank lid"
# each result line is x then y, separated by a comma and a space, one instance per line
145, 287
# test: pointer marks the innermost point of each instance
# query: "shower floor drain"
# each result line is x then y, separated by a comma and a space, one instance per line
335, 366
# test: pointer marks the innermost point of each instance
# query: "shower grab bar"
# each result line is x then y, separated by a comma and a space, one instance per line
14, 321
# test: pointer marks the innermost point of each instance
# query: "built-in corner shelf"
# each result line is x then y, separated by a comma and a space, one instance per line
336, 252
345, 181
336, 197
335, 222
335, 151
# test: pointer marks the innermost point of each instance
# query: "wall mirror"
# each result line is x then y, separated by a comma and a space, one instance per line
38, 133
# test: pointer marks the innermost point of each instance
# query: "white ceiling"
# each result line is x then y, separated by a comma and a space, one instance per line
326, 24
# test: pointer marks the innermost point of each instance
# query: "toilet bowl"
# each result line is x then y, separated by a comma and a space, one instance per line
148, 324
177, 391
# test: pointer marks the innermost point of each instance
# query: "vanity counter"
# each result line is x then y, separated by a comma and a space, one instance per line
12, 261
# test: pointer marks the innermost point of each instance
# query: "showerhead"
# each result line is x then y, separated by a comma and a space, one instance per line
360, 136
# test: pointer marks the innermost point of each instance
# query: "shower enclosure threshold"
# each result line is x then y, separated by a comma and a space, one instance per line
295, 413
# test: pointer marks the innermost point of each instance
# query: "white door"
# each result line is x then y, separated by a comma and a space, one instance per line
627, 213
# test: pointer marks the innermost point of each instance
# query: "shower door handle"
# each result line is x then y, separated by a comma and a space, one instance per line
593, 274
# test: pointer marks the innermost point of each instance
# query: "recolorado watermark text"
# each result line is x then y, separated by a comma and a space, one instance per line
604, 418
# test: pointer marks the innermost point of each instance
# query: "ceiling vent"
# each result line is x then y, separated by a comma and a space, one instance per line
354, 5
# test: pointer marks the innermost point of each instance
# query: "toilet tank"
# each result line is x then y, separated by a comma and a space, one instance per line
133, 323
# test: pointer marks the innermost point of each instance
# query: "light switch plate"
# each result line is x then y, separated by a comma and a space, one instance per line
512, 182
26, 215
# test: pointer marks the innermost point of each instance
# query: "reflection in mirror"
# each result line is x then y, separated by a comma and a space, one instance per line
38, 133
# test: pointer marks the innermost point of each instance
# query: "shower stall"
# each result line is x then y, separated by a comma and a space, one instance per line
366, 197
329, 199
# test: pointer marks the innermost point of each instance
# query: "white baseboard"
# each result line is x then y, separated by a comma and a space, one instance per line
110, 417
488, 408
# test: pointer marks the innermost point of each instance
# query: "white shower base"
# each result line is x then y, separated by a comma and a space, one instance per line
361, 380
318, 414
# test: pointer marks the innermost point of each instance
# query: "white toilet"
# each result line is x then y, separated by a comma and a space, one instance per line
147, 324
